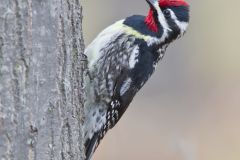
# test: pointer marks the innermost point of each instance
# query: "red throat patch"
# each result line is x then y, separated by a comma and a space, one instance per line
150, 22
172, 3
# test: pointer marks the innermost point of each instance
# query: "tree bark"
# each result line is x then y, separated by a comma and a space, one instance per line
41, 80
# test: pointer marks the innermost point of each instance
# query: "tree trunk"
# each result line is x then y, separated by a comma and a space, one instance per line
41, 80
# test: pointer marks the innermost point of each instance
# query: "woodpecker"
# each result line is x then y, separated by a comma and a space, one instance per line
120, 61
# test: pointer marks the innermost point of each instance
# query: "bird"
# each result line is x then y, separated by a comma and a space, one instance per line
120, 61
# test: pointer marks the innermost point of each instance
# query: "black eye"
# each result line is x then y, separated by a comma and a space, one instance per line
167, 13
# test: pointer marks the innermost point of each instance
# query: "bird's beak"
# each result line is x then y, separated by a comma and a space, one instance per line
152, 3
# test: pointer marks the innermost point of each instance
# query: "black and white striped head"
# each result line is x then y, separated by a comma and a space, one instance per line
168, 15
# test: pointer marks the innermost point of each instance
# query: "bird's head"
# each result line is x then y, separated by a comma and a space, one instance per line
168, 15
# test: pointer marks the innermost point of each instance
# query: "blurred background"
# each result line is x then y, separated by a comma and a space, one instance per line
190, 108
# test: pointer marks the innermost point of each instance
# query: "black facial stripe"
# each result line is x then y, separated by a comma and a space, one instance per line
175, 30
155, 17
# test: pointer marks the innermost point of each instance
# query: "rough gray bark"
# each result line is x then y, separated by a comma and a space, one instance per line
41, 85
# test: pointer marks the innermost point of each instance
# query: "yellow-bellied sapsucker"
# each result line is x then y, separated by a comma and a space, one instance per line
122, 58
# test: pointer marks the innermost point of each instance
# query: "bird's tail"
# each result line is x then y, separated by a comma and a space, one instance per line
91, 145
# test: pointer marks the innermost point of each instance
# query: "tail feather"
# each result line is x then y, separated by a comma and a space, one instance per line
91, 145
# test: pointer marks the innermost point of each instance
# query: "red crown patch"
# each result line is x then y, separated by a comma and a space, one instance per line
169, 3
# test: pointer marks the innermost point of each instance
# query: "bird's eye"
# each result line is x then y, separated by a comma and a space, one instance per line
167, 13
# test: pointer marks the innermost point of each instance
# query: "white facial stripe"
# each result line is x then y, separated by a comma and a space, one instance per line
182, 25
162, 20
